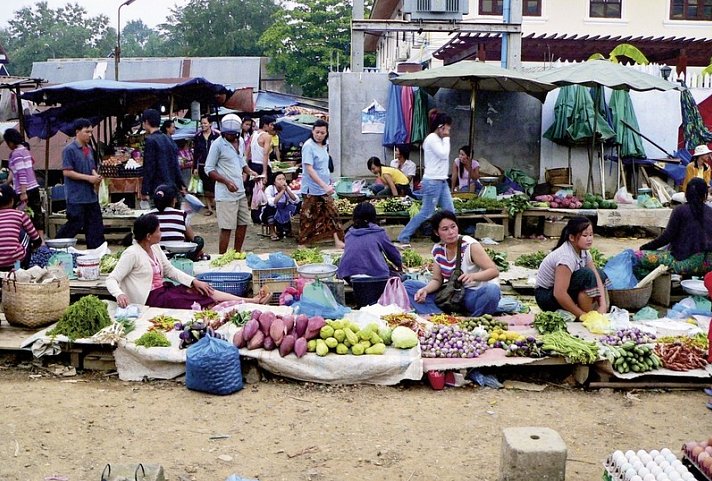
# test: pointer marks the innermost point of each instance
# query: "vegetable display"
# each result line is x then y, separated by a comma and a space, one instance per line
528, 347
82, 319
634, 357
681, 357
488, 322
239, 318
623, 336
208, 317
499, 259
516, 204
597, 202
444, 319
530, 261
574, 349
405, 320
109, 261
599, 260
560, 202
193, 331
546, 322
477, 203
344, 206
307, 256
404, 338
503, 339
699, 341
153, 339
414, 208
163, 323
451, 342
411, 258
229, 256
391, 205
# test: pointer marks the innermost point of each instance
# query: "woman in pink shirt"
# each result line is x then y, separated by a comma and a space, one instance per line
23, 177
16, 231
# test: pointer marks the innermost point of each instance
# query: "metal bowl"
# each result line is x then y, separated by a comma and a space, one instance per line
62, 243
178, 247
317, 271
694, 287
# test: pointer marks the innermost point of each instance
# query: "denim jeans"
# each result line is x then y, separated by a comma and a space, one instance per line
480, 301
436, 193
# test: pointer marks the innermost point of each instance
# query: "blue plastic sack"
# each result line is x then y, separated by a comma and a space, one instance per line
619, 270
311, 308
276, 260
213, 366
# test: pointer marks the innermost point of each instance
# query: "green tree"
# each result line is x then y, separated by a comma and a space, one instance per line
305, 41
215, 28
39, 33
140, 40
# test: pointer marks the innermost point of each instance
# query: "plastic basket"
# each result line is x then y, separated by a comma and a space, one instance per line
276, 280
367, 290
231, 282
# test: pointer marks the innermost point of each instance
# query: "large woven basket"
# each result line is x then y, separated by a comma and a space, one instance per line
27, 304
631, 299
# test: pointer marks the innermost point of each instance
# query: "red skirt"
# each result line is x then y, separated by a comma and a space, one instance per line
177, 297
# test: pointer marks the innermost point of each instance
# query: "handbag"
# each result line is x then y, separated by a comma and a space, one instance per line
451, 295
395, 293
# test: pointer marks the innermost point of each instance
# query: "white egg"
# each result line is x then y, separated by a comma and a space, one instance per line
649, 477
641, 452
636, 478
629, 454
650, 465
654, 452
659, 459
643, 471
662, 477
688, 476
676, 463
665, 451
674, 476
655, 469
630, 473
625, 467
680, 468
664, 465
670, 458
669, 469
646, 458
637, 464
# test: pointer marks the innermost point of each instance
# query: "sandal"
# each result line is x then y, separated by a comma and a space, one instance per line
275, 237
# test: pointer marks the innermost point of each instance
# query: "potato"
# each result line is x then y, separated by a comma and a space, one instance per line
287, 345
300, 347
251, 327
237, 340
256, 341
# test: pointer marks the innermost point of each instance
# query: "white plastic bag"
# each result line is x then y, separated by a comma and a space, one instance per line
623, 196
620, 319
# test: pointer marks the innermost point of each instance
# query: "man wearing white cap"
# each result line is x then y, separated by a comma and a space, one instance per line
699, 166
225, 164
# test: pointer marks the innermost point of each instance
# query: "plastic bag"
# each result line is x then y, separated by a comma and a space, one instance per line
276, 260
619, 270
317, 299
620, 319
646, 314
195, 185
213, 366
258, 195
395, 293
104, 197
623, 196
489, 192
596, 322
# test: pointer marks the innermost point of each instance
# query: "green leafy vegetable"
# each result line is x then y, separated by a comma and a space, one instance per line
531, 261
516, 204
499, 258
308, 256
82, 319
574, 349
546, 322
599, 260
412, 258
229, 256
404, 338
153, 339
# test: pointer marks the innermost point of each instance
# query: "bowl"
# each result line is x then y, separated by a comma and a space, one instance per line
61, 243
317, 271
178, 247
695, 287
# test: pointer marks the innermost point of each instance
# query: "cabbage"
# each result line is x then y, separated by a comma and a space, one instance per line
404, 338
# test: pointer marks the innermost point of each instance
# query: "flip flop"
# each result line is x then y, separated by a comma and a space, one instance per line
708, 391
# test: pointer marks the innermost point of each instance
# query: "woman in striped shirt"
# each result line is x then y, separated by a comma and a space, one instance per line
23, 177
16, 231
479, 272
174, 222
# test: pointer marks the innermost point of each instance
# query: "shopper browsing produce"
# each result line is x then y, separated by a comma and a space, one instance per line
567, 278
481, 295
138, 277
368, 249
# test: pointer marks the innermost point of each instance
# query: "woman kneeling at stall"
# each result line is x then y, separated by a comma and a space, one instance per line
479, 276
138, 276
567, 278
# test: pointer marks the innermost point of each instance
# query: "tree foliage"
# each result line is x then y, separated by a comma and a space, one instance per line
215, 28
38, 33
305, 41
140, 40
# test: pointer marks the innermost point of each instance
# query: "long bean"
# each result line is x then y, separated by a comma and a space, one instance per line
574, 349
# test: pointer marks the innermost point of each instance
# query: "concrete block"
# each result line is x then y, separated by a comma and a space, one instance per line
131, 472
532, 453
393, 230
493, 231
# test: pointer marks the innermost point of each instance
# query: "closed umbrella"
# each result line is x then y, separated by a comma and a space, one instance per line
419, 129
693, 127
394, 131
631, 143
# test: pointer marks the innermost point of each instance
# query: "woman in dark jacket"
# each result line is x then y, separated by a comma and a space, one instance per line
687, 238
367, 247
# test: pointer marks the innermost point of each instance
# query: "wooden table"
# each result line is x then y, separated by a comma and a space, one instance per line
115, 226
489, 217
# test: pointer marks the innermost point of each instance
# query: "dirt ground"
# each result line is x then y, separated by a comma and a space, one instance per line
282, 430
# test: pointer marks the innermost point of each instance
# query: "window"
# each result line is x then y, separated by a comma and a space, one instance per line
605, 9
691, 10
530, 8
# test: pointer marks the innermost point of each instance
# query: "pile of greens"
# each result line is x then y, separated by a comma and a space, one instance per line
82, 319
153, 339
307, 256
531, 261
599, 260
412, 258
516, 204
499, 258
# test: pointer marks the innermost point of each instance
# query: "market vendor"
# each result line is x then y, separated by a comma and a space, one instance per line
201, 146
687, 238
465, 171
395, 183
22, 177
699, 166
567, 278
16, 231
368, 250
160, 157
174, 222
479, 272
403, 163
138, 276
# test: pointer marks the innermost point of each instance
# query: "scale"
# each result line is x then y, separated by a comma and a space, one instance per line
63, 259
179, 257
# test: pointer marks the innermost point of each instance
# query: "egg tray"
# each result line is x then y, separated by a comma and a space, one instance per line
694, 468
612, 473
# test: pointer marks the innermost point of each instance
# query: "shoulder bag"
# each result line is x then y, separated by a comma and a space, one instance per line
451, 295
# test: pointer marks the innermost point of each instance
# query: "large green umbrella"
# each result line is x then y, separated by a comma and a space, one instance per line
474, 76
419, 129
631, 143
574, 118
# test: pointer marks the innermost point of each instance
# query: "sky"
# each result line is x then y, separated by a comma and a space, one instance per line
151, 12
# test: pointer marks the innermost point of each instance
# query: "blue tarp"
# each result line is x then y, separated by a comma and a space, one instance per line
273, 101
293, 133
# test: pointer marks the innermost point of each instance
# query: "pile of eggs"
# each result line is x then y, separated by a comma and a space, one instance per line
647, 466
700, 454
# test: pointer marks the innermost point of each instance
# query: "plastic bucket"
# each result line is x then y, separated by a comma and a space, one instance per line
88, 268
367, 290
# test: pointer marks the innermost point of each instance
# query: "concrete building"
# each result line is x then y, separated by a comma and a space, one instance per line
673, 32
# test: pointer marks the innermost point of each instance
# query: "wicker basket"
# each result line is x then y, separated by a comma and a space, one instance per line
631, 299
27, 304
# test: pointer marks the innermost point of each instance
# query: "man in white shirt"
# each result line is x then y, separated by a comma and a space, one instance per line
435, 186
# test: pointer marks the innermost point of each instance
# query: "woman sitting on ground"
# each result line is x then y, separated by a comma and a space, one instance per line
368, 250
688, 237
395, 183
281, 206
16, 231
480, 274
174, 222
138, 276
567, 278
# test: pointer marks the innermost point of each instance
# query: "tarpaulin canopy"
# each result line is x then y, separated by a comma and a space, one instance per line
394, 132
293, 133
273, 101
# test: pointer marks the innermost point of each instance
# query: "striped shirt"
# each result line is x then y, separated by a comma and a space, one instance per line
448, 265
11, 223
173, 222
20, 164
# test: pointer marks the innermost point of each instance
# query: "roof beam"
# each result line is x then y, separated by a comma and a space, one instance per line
370, 25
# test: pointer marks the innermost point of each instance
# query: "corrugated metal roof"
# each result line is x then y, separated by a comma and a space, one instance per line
148, 68
233, 72
60, 72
